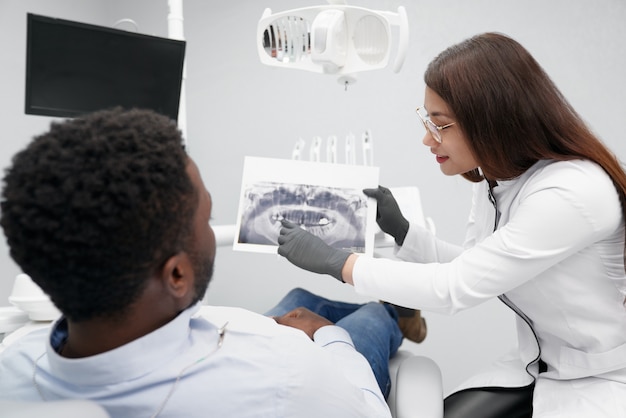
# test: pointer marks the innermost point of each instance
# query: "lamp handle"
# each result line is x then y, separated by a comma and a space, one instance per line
403, 41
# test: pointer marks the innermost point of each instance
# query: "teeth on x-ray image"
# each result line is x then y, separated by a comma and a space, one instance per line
336, 215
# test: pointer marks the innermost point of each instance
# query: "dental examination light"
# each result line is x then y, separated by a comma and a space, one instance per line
334, 39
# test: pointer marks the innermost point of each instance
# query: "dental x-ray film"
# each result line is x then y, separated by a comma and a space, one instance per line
323, 198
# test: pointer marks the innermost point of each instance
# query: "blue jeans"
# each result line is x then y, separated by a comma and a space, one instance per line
373, 327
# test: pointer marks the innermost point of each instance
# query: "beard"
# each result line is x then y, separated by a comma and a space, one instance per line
202, 265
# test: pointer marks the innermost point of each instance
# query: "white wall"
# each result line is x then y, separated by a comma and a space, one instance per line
237, 107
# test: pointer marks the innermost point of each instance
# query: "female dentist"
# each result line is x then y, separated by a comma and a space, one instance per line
545, 235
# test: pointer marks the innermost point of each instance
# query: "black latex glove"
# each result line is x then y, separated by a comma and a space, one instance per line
309, 252
388, 215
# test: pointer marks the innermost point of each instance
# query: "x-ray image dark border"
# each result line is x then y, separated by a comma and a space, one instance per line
336, 215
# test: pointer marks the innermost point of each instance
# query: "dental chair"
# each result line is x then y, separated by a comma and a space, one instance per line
416, 379
416, 387
53, 409
416, 383
417, 390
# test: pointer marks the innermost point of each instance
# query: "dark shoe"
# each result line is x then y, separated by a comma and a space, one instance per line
413, 327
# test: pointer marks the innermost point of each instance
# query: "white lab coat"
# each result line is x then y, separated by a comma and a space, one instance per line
556, 258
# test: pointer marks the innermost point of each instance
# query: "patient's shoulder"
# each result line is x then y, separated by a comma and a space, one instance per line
244, 321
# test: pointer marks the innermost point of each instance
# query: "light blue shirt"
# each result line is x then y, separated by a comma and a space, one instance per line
261, 369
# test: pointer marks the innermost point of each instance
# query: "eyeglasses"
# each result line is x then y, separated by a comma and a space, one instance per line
435, 130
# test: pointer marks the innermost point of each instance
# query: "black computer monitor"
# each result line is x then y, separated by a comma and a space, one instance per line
74, 68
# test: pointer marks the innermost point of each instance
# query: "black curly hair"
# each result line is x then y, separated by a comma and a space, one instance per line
93, 207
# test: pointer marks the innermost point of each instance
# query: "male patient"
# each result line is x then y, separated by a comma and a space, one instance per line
110, 217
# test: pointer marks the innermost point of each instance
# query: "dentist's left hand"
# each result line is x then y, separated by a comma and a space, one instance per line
309, 252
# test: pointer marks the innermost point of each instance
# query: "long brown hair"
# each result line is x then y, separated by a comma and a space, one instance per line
511, 112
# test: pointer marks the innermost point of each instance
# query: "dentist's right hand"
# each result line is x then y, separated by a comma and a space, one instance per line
388, 215
309, 252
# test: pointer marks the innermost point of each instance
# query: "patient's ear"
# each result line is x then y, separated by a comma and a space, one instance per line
177, 275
